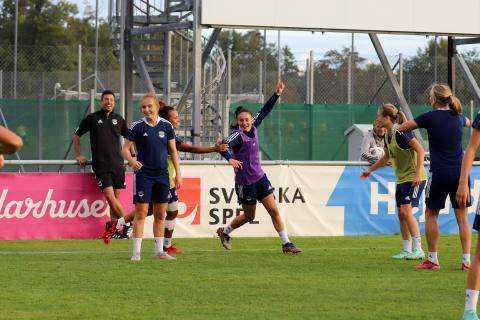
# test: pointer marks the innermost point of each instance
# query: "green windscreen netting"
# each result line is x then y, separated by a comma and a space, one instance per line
316, 132
290, 132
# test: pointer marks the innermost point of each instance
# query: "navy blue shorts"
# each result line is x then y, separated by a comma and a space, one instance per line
440, 185
149, 188
406, 194
173, 195
250, 193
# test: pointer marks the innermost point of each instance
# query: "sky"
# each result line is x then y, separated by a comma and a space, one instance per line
301, 42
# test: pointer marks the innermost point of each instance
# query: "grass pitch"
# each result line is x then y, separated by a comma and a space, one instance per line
334, 278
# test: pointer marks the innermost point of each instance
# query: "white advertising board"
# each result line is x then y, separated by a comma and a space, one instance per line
461, 17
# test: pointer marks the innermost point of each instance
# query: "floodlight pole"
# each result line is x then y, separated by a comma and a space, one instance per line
197, 75
15, 47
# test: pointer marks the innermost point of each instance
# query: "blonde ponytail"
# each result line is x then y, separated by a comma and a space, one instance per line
443, 96
455, 105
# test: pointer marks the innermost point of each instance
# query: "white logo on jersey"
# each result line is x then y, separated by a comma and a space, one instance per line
145, 134
100, 121
114, 121
161, 134
140, 194
407, 198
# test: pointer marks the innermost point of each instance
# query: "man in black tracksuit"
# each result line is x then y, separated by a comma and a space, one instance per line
105, 129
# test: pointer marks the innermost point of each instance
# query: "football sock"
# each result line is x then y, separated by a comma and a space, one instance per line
407, 245
471, 298
432, 257
137, 246
417, 242
283, 236
167, 242
120, 222
158, 245
227, 229
466, 258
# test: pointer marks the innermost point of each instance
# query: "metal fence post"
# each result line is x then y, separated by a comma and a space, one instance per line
79, 80
311, 74
400, 71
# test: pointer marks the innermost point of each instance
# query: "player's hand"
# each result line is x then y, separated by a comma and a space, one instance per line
235, 163
135, 165
365, 174
463, 195
2, 161
280, 87
416, 181
81, 160
178, 181
220, 147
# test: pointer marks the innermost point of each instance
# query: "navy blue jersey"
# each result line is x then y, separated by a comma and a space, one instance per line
151, 144
445, 130
403, 138
235, 141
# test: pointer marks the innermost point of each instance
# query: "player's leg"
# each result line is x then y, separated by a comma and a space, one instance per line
271, 206
160, 197
170, 220
461, 214
248, 201
473, 281
141, 210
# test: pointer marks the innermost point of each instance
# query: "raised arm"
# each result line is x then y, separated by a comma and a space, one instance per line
268, 106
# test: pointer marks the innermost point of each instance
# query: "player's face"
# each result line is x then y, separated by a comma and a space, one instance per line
108, 103
149, 108
379, 130
174, 119
381, 121
245, 121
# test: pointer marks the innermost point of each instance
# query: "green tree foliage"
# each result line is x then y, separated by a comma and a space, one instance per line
53, 29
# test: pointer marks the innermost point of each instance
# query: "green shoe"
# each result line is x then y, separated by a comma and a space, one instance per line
470, 315
402, 255
417, 254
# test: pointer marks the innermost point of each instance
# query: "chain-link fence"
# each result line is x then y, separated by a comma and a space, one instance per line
47, 76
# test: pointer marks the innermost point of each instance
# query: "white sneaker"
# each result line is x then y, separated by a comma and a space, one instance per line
135, 258
164, 256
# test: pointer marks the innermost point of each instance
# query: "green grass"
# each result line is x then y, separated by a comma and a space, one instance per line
334, 278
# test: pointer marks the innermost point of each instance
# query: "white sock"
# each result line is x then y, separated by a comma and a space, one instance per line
283, 236
137, 246
466, 258
471, 298
158, 244
227, 229
120, 222
167, 242
417, 242
407, 245
432, 256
